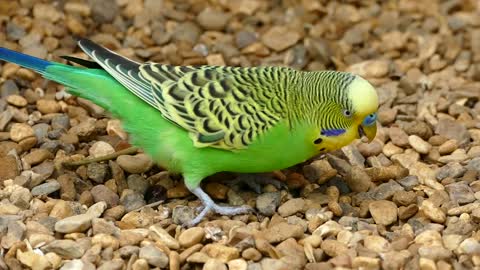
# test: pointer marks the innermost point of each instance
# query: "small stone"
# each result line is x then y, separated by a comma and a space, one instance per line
212, 19
47, 106
182, 214
139, 163
191, 237
100, 148
67, 249
434, 253
46, 188
383, 212
97, 172
251, 254
376, 243
409, 182
33, 260
406, 212
21, 131
371, 68
404, 198
137, 183
214, 264
334, 248
154, 256
78, 223
291, 207
419, 144
387, 190
391, 149
8, 168
434, 213
102, 193
282, 231
216, 190
398, 137
164, 237
17, 100
469, 246
319, 171
366, 263
114, 127
448, 147
237, 264
452, 130
37, 156
267, 203
460, 193
221, 252
452, 170
280, 38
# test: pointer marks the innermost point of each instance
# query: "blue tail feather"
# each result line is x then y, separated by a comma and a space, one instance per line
24, 60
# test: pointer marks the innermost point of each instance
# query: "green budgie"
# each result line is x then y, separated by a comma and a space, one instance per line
198, 121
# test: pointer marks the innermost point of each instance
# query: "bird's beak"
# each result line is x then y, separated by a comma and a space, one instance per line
369, 131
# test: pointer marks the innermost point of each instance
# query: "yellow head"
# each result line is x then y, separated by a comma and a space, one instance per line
346, 109
364, 100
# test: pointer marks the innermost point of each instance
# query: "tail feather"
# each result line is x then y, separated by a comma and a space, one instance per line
24, 60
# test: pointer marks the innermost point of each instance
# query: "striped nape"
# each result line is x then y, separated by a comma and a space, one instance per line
320, 99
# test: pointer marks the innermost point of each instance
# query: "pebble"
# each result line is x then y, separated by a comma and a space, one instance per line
280, 38
383, 212
376, 243
371, 68
460, 193
46, 188
221, 252
448, 147
164, 237
67, 249
191, 237
419, 144
78, 223
100, 148
212, 19
387, 190
102, 193
452, 130
398, 137
139, 163
17, 100
282, 231
47, 106
267, 203
153, 256
333, 248
8, 168
20, 131
291, 207
434, 213
97, 172
37, 156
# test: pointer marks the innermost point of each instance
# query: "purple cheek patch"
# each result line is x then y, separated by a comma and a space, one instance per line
332, 132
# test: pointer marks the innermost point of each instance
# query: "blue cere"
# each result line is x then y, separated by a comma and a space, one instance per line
370, 119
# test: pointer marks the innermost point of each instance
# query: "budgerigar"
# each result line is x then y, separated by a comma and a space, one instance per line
198, 121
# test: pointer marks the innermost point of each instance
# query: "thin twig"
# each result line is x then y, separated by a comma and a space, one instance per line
128, 151
148, 205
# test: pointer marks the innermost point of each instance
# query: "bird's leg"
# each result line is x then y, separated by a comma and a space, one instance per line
256, 181
209, 204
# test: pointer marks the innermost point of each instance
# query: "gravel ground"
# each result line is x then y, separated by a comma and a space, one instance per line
408, 200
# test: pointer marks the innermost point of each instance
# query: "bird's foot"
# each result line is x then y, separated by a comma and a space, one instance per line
257, 181
210, 205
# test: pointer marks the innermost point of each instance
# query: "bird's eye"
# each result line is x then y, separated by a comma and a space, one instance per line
347, 113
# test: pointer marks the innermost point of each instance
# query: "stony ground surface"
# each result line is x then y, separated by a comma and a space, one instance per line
409, 200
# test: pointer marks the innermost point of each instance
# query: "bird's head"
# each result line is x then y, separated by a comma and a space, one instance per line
348, 110
364, 102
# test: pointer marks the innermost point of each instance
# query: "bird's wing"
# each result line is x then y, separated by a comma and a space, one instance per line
221, 107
